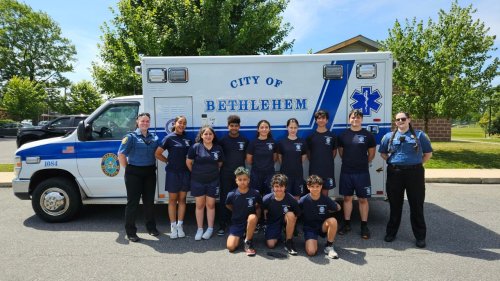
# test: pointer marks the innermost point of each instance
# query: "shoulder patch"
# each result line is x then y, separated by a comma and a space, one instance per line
124, 140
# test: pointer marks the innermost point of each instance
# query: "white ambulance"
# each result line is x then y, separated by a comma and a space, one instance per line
61, 174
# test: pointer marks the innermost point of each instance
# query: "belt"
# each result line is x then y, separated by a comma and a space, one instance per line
405, 167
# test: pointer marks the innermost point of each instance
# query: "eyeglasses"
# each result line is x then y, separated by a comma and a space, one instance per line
401, 119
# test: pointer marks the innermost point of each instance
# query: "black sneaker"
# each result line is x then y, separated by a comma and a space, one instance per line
249, 249
290, 248
345, 229
365, 232
222, 230
133, 238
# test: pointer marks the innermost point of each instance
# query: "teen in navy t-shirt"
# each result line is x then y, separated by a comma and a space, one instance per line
291, 153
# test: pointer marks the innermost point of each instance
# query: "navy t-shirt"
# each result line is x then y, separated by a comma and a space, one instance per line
234, 151
315, 212
321, 147
277, 209
262, 152
243, 204
291, 156
206, 162
177, 147
355, 146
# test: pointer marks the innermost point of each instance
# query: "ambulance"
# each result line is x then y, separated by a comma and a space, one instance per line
61, 174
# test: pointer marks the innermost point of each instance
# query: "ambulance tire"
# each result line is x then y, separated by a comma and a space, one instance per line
56, 200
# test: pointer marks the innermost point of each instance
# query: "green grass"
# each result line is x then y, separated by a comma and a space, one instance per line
473, 133
6, 167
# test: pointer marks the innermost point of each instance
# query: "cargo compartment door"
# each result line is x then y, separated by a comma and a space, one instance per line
165, 111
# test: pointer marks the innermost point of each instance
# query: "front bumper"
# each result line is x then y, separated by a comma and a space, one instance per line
21, 188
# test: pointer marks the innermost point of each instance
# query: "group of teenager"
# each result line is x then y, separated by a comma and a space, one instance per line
261, 199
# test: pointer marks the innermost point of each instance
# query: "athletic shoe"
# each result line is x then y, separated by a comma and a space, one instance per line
208, 233
222, 230
290, 248
133, 238
249, 249
173, 232
199, 234
365, 232
345, 229
180, 231
420, 243
331, 252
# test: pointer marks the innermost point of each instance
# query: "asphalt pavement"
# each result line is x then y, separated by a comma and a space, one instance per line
463, 243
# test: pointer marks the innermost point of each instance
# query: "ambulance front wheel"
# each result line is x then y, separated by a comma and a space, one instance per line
56, 200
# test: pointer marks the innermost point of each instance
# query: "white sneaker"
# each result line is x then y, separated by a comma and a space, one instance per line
180, 231
173, 232
208, 233
331, 252
198, 235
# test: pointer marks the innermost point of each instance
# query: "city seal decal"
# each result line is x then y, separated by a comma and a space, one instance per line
110, 165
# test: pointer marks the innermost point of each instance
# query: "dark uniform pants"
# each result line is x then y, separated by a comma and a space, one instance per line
140, 181
413, 181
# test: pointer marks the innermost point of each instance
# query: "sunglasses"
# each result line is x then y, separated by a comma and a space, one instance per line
401, 119
144, 114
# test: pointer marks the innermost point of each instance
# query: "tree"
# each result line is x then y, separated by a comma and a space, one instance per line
23, 99
31, 45
189, 27
83, 98
444, 68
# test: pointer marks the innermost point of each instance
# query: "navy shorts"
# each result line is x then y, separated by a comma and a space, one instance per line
238, 230
177, 181
295, 186
359, 182
210, 189
313, 232
274, 230
328, 183
261, 181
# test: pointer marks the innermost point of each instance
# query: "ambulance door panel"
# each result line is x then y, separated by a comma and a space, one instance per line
97, 158
166, 109
366, 91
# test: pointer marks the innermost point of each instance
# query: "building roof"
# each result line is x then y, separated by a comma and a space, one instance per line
358, 43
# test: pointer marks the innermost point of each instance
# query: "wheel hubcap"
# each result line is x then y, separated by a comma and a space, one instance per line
54, 201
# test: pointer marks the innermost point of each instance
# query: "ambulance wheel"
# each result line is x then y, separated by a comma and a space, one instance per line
56, 200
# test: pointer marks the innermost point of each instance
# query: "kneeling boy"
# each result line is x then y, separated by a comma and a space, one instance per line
245, 205
316, 209
280, 210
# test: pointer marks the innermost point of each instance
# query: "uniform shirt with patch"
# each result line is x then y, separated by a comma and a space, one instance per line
139, 149
320, 147
277, 209
234, 151
315, 212
262, 152
206, 162
402, 150
177, 147
355, 146
243, 204
291, 156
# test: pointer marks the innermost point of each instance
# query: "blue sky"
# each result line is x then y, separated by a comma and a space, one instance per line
317, 24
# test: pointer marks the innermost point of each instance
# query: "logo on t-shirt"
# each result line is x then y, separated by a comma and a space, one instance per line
216, 155
241, 145
250, 201
361, 138
298, 147
328, 140
186, 142
285, 209
270, 146
321, 209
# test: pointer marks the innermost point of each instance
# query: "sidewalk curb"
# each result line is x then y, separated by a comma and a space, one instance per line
464, 180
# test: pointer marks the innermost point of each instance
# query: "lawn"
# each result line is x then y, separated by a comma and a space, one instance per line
469, 149
6, 167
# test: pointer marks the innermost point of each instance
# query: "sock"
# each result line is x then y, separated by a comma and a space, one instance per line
347, 222
180, 222
172, 225
329, 244
364, 223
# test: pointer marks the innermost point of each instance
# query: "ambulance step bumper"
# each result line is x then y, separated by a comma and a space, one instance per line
21, 188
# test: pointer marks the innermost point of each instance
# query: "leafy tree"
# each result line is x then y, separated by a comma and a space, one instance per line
31, 45
83, 98
23, 99
189, 27
444, 67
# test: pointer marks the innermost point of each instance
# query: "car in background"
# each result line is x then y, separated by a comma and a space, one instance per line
9, 129
55, 128
43, 123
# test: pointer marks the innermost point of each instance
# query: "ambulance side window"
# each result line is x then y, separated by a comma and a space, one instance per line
115, 122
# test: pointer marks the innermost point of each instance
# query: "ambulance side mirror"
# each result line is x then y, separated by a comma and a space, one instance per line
84, 131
